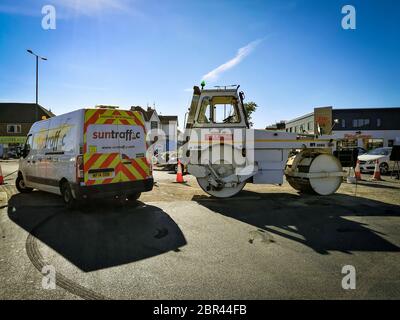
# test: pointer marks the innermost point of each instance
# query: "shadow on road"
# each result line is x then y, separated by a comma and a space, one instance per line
395, 184
321, 223
100, 237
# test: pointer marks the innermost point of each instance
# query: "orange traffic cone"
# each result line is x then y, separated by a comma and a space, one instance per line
1, 176
357, 171
179, 175
377, 172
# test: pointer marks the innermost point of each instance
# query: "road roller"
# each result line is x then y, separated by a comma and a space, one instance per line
224, 153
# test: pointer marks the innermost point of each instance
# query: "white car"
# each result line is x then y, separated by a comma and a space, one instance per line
367, 160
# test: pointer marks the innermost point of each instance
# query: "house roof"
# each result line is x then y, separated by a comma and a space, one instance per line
147, 114
167, 119
22, 112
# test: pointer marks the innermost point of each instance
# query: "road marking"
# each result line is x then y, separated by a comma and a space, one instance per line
62, 281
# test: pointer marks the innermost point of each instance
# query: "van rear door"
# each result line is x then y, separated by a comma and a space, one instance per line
114, 147
132, 142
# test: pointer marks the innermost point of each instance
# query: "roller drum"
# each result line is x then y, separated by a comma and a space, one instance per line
314, 163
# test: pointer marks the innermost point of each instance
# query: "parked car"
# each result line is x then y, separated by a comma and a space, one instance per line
169, 161
12, 154
361, 151
367, 160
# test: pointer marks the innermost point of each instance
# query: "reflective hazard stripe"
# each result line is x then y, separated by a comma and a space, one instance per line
109, 116
90, 160
109, 160
140, 168
124, 169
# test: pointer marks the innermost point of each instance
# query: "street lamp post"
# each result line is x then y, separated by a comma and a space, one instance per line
37, 77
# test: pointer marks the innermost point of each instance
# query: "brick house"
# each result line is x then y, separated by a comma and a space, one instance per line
16, 120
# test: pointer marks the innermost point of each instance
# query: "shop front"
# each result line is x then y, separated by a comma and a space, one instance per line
10, 145
367, 141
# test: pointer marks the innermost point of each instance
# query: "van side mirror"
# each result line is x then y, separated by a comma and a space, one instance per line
25, 151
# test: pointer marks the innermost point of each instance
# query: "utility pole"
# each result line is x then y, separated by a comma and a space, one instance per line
37, 80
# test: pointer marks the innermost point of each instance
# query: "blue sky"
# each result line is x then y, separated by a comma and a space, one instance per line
288, 56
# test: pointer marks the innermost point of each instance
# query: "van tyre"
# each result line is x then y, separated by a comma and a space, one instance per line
20, 184
134, 196
67, 196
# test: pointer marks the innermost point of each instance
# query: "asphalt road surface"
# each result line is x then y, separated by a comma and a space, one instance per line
177, 243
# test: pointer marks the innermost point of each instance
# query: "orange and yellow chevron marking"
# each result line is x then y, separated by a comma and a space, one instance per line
90, 159
96, 160
142, 166
124, 169
111, 116
100, 161
128, 170
136, 169
109, 160
126, 174
92, 116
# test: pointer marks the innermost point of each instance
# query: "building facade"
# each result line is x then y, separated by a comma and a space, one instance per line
16, 120
152, 121
302, 124
365, 127
168, 125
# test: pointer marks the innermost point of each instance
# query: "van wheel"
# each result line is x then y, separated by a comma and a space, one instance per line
134, 196
20, 184
66, 193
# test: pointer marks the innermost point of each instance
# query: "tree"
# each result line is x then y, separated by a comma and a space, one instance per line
250, 107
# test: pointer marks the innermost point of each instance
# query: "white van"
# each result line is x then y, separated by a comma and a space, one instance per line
87, 153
